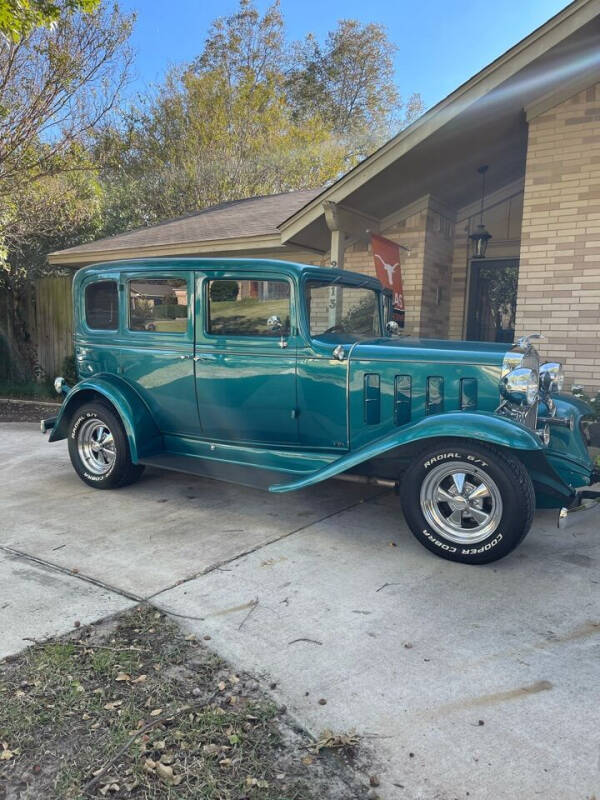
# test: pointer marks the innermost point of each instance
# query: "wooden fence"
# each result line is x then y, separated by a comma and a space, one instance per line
36, 328
53, 322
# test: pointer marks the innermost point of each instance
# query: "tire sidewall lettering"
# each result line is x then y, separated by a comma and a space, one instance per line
81, 418
476, 551
442, 545
432, 462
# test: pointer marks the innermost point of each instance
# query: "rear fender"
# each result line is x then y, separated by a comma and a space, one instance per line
142, 433
480, 426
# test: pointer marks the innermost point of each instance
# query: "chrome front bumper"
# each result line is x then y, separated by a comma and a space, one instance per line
584, 509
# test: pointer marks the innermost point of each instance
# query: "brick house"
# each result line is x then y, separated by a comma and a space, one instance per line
533, 118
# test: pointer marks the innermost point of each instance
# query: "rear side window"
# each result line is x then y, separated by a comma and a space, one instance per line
158, 304
102, 306
248, 308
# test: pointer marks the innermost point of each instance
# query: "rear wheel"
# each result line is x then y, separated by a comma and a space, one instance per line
99, 449
468, 502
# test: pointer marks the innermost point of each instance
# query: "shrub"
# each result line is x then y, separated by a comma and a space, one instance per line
221, 291
169, 311
593, 402
69, 370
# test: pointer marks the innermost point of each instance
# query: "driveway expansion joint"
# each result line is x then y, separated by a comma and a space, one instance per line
220, 564
12, 551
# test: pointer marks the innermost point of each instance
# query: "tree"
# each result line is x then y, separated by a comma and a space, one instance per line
45, 215
19, 17
244, 45
218, 130
350, 80
61, 73
249, 116
56, 85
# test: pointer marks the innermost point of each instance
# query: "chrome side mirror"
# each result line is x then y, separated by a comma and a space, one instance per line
274, 323
392, 327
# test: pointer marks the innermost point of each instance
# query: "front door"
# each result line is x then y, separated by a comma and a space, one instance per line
245, 359
492, 302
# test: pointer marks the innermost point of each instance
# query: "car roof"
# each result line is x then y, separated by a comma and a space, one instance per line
228, 264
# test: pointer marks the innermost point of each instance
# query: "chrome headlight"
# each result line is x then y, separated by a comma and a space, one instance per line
520, 386
58, 385
552, 377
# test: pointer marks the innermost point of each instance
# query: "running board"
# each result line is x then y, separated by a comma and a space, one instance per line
247, 475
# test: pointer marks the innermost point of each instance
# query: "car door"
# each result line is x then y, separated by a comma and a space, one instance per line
246, 342
157, 353
322, 378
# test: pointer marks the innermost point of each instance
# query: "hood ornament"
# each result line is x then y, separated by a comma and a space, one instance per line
525, 341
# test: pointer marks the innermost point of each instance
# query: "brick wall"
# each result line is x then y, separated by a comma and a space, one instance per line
428, 234
559, 278
458, 282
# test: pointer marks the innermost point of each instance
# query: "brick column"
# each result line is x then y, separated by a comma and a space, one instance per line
559, 276
428, 230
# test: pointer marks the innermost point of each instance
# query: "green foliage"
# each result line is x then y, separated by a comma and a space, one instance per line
28, 390
593, 402
50, 214
69, 370
18, 18
169, 311
252, 115
361, 317
349, 81
221, 291
55, 87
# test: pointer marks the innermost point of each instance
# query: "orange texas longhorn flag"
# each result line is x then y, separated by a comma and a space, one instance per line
386, 255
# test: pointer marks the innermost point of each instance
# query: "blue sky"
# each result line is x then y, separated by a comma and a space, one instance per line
441, 44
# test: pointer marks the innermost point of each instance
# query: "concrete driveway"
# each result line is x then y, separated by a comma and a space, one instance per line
478, 682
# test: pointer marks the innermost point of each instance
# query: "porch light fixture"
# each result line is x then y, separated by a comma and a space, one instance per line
479, 239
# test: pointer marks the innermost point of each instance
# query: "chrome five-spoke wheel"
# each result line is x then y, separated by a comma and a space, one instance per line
461, 502
96, 446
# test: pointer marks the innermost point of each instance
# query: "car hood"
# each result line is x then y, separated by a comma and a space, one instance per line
437, 350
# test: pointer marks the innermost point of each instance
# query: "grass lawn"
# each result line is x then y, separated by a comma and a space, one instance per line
247, 315
132, 708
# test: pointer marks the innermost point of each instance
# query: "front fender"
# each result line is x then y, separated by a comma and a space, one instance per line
142, 433
479, 425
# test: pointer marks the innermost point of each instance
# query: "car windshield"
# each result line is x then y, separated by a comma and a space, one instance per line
342, 311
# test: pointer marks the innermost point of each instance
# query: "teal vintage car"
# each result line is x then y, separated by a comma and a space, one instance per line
281, 375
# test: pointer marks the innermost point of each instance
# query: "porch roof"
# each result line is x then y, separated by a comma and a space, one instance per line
481, 122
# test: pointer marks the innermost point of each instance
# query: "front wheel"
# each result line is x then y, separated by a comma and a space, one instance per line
99, 449
468, 502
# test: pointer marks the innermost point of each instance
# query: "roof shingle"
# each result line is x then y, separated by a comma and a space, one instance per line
254, 216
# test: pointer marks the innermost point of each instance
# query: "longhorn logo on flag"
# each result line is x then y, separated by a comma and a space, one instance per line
386, 255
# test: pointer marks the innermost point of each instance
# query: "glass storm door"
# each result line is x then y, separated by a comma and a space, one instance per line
492, 303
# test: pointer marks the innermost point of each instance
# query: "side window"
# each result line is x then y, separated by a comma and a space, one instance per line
248, 308
158, 304
102, 306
